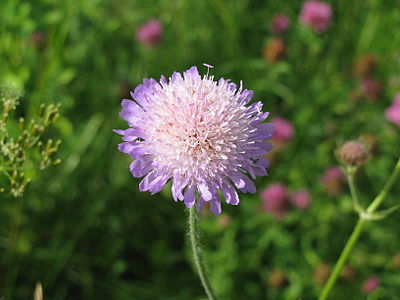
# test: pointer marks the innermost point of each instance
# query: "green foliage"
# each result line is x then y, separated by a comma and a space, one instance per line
83, 229
17, 156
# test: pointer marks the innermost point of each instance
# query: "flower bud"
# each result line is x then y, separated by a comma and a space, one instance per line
352, 153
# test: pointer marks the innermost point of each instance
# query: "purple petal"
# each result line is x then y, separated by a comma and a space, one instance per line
215, 206
230, 194
262, 162
189, 196
176, 77
243, 182
131, 112
200, 204
265, 131
204, 191
140, 167
158, 184
245, 96
192, 74
178, 185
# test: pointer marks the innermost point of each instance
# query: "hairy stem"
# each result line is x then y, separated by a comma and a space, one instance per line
197, 253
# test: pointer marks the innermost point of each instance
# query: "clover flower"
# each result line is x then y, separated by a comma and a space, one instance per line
316, 14
275, 200
280, 23
198, 133
333, 180
370, 285
284, 130
393, 112
150, 33
301, 199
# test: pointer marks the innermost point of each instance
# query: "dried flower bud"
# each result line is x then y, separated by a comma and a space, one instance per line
275, 50
352, 153
224, 221
364, 66
396, 260
277, 279
321, 273
348, 273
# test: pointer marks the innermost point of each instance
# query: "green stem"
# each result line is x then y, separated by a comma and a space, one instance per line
353, 191
197, 253
358, 229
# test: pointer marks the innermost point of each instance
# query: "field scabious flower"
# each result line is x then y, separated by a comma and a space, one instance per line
393, 112
199, 133
150, 33
316, 14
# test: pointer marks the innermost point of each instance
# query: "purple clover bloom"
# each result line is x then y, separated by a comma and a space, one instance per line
370, 285
275, 200
316, 14
393, 112
280, 23
198, 133
150, 33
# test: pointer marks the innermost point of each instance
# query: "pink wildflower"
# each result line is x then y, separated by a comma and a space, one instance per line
283, 130
150, 33
280, 23
333, 180
316, 14
301, 199
393, 112
370, 285
276, 200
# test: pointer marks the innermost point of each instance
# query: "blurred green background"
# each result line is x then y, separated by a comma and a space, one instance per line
85, 230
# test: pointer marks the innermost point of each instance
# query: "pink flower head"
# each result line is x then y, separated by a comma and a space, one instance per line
201, 134
275, 200
333, 180
316, 14
393, 112
283, 130
370, 285
301, 199
280, 23
150, 33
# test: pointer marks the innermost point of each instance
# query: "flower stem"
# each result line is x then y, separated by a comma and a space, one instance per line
197, 253
358, 229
